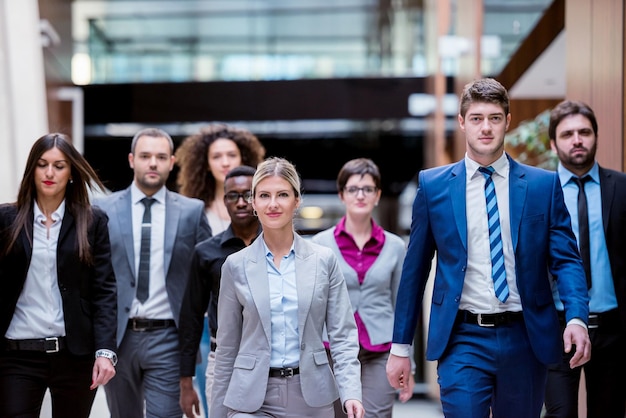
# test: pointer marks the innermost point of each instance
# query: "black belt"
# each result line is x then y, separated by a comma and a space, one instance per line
44, 345
286, 372
489, 320
143, 324
598, 319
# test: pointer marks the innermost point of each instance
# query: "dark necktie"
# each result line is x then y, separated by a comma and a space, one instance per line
583, 226
143, 277
498, 271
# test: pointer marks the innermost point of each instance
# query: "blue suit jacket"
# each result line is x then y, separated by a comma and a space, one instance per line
185, 226
543, 243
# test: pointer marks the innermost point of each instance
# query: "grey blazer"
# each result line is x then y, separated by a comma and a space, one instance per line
375, 299
185, 226
244, 330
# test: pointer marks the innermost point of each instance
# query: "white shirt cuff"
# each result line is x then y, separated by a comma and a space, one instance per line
401, 350
577, 321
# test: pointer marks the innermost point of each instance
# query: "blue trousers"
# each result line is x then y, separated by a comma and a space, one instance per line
491, 370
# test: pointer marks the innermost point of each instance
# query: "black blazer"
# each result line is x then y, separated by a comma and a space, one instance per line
88, 292
613, 190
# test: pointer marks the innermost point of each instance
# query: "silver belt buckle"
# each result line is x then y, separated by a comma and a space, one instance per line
135, 327
286, 372
592, 326
483, 324
56, 344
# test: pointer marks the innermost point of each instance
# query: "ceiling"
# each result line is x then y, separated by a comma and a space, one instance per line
204, 40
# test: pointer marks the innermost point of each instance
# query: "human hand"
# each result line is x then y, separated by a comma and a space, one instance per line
103, 371
576, 335
398, 371
354, 408
189, 401
406, 393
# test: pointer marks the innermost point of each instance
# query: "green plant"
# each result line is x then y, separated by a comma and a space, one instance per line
529, 142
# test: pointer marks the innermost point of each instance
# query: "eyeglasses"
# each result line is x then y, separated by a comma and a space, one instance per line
233, 197
367, 190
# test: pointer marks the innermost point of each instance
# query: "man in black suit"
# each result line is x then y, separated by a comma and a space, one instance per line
601, 236
203, 287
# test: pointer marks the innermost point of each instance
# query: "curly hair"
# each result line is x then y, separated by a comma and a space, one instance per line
194, 178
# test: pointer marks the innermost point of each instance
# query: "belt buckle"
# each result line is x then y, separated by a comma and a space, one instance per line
286, 372
135, 327
56, 344
595, 318
479, 320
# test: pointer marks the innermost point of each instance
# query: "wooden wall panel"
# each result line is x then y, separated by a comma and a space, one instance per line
595, 70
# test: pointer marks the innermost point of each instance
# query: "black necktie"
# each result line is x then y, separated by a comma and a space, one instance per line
583, 226
143, 277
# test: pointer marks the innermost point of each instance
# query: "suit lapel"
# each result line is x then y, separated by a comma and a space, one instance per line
306, 261
457, 197
172, 216
607, 189
517, 198
24, 237
256, 276
124, 212
66, 226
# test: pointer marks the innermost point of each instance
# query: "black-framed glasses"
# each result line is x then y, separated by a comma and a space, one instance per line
233, 197
367, 190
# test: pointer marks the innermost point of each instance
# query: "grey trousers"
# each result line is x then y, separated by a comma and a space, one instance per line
283, 399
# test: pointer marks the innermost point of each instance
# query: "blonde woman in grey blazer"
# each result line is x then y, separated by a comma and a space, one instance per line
276, 296
371, 261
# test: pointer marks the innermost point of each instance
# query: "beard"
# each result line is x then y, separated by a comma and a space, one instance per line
579, 160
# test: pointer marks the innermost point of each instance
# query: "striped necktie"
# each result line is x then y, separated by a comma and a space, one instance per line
498, 271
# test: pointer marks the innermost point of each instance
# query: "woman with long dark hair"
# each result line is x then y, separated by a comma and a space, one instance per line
58, 304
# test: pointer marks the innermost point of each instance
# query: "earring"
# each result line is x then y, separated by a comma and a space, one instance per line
71, 181
254, 212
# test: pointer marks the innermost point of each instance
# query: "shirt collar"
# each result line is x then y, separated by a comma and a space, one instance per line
501, 166
136, 195
57, 215
565, 175
377, 231
268, 252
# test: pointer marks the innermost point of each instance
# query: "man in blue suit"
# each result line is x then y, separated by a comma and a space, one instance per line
153, 232
501, 233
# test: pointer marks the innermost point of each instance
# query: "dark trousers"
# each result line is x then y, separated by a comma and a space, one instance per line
605, 376
25, 376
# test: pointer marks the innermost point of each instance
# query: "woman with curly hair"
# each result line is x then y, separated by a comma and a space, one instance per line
204, 160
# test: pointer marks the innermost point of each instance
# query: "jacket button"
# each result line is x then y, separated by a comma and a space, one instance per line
302, 346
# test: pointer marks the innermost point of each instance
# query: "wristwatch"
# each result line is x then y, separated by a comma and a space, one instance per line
107, 354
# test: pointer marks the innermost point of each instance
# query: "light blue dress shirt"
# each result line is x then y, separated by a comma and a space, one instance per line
284, 307
602, 293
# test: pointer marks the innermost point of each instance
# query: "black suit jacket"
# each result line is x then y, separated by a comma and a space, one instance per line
88, 292
613, 190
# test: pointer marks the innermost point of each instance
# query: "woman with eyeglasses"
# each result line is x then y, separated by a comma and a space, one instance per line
371, 261
204, 159
58, 300
276, 297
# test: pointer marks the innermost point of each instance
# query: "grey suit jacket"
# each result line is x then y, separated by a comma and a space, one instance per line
375, 298
244, 330
185, 226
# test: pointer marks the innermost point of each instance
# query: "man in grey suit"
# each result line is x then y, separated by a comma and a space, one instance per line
153, 232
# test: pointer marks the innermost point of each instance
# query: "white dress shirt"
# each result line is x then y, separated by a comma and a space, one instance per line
478, 294
39, 309
157, 306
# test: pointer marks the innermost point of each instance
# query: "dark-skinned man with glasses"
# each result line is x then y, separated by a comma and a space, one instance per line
203, 287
